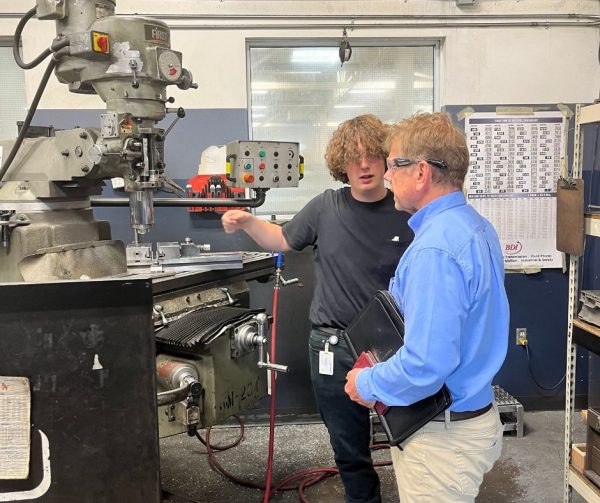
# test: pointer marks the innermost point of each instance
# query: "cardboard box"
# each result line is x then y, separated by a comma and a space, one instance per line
578, 452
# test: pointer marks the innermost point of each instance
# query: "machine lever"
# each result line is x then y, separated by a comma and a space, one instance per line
286, 282
158, 309
134, 67
180, 115
260, 340
230, 299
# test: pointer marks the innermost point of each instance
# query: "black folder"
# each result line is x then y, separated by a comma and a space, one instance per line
378, 331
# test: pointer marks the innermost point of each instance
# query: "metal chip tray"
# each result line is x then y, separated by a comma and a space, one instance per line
590, 306
203, 326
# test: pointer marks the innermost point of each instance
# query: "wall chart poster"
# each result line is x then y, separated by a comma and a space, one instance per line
514, 166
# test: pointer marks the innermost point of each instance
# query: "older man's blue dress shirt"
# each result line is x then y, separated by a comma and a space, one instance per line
449, 285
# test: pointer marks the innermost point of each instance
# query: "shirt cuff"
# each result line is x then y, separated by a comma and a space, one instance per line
363, 385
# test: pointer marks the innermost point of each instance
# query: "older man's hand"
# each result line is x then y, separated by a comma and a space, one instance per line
351, 390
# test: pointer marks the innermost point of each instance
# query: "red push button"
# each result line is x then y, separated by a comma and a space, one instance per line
262, 165
248, 178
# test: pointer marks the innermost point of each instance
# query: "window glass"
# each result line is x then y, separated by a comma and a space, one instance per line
12, 96
303, 93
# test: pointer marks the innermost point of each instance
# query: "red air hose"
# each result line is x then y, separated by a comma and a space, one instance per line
273, 382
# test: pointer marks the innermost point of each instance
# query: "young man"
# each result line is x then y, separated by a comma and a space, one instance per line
358, 238
450, 287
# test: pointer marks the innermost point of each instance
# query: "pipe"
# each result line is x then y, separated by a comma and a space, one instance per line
370, 16
353, 25
186, 201
350, 20
173, 395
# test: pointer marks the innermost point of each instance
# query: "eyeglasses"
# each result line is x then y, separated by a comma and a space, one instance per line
399, 162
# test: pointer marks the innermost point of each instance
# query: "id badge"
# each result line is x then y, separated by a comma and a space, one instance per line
326, 361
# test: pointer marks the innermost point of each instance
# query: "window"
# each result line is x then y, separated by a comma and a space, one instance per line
301, 92
12, 97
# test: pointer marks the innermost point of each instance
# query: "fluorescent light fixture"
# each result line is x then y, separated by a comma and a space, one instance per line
333, 124
257, 116
423, 75
348, 106
259, 91
256, 124
315, 55
259, 107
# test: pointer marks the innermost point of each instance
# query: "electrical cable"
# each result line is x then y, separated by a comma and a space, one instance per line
28, 118
226, 446
55, 46
553, 388
17, 43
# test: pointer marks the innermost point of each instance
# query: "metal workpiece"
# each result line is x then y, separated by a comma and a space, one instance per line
179, 257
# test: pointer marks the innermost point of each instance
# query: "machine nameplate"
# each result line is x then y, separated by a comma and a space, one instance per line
157, 35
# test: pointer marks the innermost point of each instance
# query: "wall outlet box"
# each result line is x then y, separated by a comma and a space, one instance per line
521, 336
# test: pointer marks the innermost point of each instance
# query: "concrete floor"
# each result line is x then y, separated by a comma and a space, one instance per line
529, 471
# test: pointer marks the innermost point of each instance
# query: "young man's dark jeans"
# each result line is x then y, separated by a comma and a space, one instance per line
346, 421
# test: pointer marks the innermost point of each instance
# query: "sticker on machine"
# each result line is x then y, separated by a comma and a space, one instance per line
15, 411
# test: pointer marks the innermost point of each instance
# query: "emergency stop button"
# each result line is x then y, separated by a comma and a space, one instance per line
248, 178
100, 42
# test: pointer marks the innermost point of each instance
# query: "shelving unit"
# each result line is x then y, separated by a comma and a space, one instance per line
579, 332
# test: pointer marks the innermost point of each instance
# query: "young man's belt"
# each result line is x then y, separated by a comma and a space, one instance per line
461, 416
327, 330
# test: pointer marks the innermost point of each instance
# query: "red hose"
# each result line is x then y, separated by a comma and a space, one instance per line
273, 381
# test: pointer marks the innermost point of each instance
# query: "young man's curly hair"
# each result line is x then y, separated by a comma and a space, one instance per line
343, 146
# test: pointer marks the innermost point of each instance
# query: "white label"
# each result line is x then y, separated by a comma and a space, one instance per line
326, 363
97, 365
15, 406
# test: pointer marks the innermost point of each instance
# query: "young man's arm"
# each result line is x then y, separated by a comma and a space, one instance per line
267, 235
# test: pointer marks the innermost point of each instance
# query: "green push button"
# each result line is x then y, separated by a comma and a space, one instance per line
262, 153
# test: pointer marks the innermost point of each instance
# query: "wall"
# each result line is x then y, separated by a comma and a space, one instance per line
501, 64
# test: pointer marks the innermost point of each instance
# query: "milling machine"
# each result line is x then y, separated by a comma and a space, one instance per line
203, 347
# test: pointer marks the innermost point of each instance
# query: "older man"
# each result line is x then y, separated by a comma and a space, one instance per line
449, 285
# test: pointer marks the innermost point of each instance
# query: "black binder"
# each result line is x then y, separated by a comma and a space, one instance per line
378, 330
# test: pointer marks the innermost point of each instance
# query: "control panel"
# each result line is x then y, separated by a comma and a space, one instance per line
263, 164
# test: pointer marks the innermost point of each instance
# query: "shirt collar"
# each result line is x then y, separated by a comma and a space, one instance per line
436, 207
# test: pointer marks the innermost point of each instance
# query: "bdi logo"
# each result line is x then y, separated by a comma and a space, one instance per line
513, 248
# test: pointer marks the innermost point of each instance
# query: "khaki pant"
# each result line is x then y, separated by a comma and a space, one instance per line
440, 464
